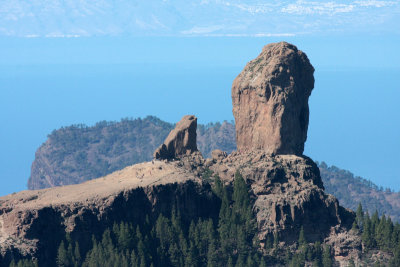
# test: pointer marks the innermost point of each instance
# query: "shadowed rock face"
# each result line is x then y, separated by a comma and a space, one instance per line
288, 194
180, 141
270, 101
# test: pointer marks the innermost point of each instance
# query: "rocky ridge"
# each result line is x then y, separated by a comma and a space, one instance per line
288, 194
79, 153
286, 189
345, 186
27, 217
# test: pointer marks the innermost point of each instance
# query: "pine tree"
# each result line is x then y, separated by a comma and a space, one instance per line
244, 227
218, 187
124, 236
212, 259
239, 261
142, 253
70, 255
326, 257
225, 223
276, 240
302, 238
134, 259
262, 262
309, 252
359, 216
268, 242
143, 261
354, 227
295, 262
396, 257
379, 232
367, 235
191, 258
317, 263
249, 261
318, 251
374, 225
77, 255
387, 234
62, 258
230, 262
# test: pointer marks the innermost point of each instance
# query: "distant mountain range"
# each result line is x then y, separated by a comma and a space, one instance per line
351, 190
67, 18
79, 153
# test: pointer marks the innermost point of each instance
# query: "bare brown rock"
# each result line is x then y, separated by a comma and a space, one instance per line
27, 217
218, 154
288, 194
345, 245
270, 101
180, 141
286, 189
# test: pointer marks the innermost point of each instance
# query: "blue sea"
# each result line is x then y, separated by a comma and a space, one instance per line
47, 83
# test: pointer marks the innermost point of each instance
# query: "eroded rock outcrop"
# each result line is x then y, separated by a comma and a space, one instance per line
270, 105
180, 141
33, 222
270, 101
288, 194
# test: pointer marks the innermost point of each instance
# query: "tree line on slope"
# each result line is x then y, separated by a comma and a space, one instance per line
229, 240
351, 190
378, 233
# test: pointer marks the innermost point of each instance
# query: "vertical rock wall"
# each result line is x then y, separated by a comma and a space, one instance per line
270, 101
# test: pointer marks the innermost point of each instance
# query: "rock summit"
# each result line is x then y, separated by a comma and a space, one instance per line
270, 101
180, 141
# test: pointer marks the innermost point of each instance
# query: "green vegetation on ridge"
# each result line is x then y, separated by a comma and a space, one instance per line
351, 190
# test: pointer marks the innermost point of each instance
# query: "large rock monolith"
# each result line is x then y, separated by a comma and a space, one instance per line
270, 101
180, 141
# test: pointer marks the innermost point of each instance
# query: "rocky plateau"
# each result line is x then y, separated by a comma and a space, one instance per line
270, 105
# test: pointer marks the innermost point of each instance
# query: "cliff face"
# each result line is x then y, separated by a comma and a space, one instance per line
144, 190
270, 101
288, 194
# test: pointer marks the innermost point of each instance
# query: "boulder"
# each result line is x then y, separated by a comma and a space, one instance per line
180, 141
218, 154
270, 101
